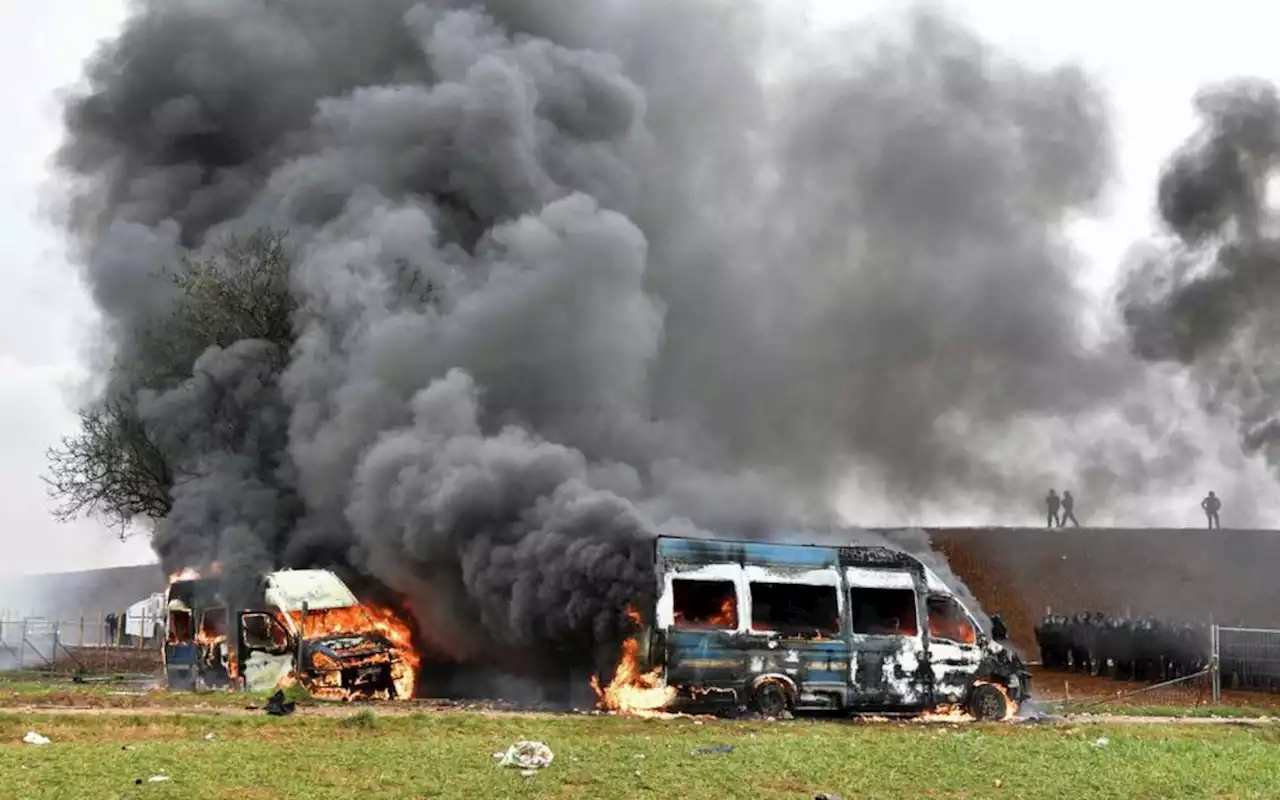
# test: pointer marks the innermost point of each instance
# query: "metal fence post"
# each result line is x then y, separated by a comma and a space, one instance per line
22, 646
1214, 663
53, 651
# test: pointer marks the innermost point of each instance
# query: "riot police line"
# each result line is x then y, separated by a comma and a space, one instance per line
1154, 650
1130, 649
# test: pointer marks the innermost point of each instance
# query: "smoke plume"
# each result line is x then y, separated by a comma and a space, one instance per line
1204, 298
662, 293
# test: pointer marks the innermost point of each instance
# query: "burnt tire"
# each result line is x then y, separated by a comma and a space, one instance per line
770, 699
988, 703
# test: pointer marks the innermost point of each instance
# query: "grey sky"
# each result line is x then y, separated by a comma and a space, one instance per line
1151, 65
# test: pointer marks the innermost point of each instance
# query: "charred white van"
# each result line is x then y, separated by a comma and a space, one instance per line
304, 626
797, 627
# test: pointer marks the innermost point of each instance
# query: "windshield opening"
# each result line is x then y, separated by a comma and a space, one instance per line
326, 622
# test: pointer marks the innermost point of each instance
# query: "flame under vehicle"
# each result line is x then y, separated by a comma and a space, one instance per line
801, 627
304, 626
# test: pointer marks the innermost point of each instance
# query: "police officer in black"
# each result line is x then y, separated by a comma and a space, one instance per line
1068, 510
1211, 504
1052, 503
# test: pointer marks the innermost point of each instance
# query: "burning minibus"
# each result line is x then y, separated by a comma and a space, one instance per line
302, 626
782, 627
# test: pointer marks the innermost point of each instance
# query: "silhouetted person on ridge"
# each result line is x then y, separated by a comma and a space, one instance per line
1052, 503
1068, 510
1211, 505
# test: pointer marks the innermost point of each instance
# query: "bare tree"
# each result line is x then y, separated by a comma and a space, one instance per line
114, 467
110, 468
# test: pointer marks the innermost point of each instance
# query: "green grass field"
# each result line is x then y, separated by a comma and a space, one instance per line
329, 753
121, 735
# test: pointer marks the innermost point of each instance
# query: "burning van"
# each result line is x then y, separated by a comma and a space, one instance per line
304, 626
798, 627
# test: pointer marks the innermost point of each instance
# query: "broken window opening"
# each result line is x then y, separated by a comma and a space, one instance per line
949, 622
883, 612
795, 609
705, 604
213, 625
333, 622
261, 631
179, 626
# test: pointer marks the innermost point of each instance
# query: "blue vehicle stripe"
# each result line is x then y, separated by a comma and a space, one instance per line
710, 551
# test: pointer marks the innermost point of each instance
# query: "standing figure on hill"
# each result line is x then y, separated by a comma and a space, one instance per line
1068, 510
1211, 504
1051, 503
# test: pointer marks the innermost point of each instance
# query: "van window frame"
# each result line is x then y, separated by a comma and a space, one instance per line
785, 580
734, 584
964, 612
915, 609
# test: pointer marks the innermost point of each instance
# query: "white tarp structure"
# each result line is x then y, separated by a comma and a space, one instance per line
142, 618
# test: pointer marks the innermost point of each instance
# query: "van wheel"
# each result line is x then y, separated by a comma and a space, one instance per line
988, 703
770, 699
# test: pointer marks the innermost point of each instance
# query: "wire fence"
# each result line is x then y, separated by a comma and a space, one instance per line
1247, 658
1239, 667
101, 640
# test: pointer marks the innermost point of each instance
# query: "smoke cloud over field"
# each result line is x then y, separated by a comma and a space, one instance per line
568, 274
1206, 298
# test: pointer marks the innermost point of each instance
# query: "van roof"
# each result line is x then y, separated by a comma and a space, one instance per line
318, 588
710, 550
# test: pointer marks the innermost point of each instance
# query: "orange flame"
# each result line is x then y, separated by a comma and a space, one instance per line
369, 618
725, 617
952, 713
1011, 707
191, 573
187, 574
728, 614
631, 691
947, 713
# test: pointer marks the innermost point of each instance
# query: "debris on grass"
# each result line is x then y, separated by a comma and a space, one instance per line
277, 706
526, 755
34, 738
717, 749
152, 779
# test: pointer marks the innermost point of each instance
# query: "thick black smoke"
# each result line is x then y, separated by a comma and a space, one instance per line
664, 293
1206, 299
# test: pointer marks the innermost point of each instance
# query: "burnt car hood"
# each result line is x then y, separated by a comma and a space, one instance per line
352, 647
1002, 663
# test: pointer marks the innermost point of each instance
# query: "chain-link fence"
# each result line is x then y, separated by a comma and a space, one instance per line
102, 640
1247, 658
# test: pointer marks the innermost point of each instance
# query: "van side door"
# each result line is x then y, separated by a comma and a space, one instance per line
794, 633
886, 648
954, 651
700, 611
268, 650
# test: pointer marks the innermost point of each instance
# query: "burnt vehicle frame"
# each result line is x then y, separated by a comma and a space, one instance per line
272, 640
825, 654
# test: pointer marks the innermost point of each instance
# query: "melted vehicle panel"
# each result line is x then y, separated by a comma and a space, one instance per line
830, 665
